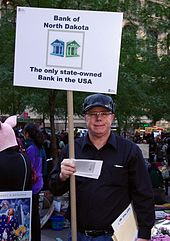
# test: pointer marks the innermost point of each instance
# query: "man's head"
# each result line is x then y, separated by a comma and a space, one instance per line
98, 100
99, 114
10, 211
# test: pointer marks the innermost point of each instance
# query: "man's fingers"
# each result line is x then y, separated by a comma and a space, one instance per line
67, 168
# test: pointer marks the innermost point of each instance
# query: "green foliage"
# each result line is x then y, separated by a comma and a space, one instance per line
143, 86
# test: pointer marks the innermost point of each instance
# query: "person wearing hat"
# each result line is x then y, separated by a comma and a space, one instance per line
123, 178
15, 168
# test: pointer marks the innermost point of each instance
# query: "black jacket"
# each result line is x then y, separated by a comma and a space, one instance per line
123, 179
13, 171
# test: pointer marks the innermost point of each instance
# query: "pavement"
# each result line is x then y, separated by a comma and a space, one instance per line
47, 234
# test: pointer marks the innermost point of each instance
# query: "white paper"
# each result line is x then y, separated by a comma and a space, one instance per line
160, 214
160, 224
88, 168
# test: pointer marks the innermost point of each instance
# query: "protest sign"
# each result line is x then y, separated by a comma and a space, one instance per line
145, 150
67, 49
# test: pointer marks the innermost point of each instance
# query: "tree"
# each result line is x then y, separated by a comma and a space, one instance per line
143, 86
144, 76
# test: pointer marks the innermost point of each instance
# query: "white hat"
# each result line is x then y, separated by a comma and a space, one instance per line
7, 134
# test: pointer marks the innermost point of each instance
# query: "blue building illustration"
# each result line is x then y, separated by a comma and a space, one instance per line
58, 48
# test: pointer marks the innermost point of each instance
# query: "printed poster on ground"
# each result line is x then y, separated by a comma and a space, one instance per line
67, 49
15, 215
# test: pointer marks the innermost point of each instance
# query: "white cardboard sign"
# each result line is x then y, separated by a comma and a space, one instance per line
145, 150
67, 49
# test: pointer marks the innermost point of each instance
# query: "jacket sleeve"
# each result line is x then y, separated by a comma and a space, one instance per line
142, 193
56, 186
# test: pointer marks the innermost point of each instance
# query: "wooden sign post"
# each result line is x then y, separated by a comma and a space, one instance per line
71, 156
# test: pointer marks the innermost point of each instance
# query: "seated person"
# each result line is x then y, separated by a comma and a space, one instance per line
157, 183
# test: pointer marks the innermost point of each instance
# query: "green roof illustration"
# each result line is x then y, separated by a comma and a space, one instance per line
71, 49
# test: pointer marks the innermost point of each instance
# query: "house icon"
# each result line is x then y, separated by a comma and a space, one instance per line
58, 48
71, 49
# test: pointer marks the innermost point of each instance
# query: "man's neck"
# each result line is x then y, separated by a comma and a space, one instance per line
99, 141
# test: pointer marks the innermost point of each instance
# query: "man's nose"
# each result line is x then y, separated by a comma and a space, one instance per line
98, 115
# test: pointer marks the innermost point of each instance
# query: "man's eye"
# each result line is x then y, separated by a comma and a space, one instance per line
99, 113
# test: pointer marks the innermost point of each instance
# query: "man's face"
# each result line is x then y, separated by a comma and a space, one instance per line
10, 211
99, 121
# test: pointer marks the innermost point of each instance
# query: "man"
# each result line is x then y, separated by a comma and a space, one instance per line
8, 224
123, 179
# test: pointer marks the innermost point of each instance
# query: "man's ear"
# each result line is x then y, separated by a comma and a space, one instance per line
113, 117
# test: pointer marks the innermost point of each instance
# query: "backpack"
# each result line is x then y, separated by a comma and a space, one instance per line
156, 178
165, 172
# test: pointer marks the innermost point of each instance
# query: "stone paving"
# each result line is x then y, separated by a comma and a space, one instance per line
48, 234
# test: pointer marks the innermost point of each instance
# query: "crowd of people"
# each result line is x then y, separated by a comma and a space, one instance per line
158, 162
159, 145
124, 178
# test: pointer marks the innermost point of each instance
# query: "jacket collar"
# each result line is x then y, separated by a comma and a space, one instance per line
111, 141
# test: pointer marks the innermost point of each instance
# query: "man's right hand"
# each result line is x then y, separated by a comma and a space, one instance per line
67, 169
